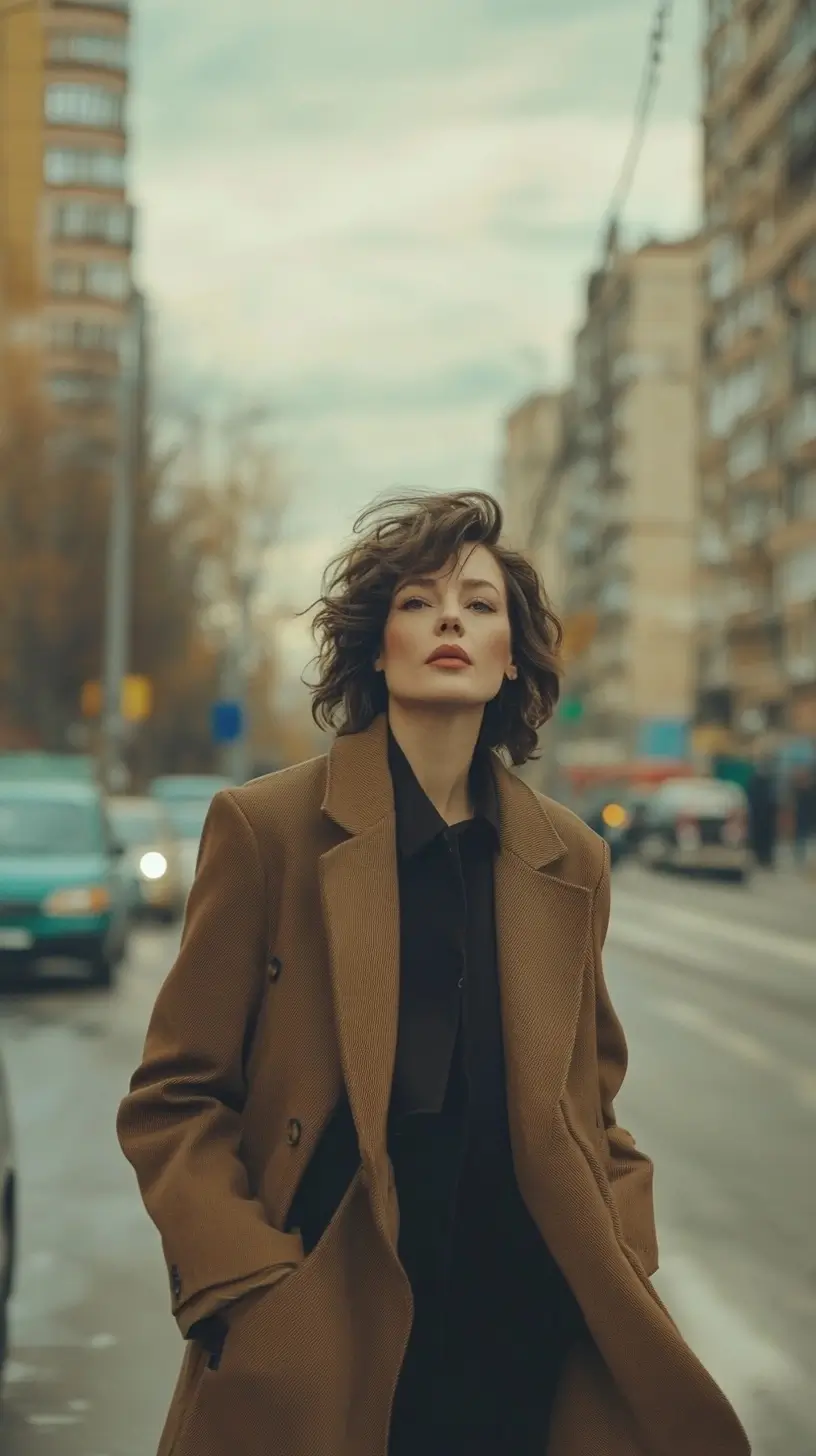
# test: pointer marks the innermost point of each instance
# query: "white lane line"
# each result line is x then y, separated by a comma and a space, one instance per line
771, 943
743, 1361
801, 1081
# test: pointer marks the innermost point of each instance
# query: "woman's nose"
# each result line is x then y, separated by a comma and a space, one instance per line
450, 622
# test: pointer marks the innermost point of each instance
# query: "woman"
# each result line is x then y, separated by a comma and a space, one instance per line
374, 1123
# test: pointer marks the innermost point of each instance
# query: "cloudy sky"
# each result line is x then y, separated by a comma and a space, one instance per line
377, 215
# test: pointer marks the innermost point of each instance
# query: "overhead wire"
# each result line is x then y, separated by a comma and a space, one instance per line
647, 92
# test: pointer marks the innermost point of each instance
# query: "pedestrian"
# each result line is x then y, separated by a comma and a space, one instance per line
804, 812
375, 1119
763, 813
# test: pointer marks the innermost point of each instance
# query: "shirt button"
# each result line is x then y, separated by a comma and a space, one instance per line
460, 983
293, 1131
275, 968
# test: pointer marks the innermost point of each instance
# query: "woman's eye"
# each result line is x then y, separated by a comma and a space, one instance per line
483, 606
409, 603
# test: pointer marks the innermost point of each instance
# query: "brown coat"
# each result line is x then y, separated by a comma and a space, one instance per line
285, 987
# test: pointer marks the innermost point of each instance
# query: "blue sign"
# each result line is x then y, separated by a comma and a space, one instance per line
226, 722
662, 738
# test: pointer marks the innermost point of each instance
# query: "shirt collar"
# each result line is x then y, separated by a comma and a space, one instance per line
418, 821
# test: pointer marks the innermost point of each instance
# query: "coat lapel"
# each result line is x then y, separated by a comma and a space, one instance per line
543, 924
360, 893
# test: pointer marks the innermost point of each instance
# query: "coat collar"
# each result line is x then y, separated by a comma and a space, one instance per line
360, 794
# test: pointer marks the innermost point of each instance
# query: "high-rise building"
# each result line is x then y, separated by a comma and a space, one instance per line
627, 480
532, 434
757, 546
66, 225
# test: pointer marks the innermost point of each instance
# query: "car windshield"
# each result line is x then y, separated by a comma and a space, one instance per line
702, 797
187, 816
42, 826
137, 824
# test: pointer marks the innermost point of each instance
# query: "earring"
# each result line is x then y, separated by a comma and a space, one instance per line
512, 672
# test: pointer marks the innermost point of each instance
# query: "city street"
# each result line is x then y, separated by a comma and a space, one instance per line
716, 987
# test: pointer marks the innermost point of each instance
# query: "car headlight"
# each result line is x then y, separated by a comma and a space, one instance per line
87, 900
153, 865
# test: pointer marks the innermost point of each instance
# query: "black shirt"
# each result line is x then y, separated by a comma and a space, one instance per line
488, 1304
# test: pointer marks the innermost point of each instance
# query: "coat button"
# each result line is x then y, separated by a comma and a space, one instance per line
275, 968
293, 1131
175, 1281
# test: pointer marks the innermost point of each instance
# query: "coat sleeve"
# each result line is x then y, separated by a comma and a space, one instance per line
180, 1124
631, 1172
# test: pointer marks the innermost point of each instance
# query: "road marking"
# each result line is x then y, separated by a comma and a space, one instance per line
801, 1081
740, 1358
788, 947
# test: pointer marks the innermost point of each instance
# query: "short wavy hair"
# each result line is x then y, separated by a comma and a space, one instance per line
397, 538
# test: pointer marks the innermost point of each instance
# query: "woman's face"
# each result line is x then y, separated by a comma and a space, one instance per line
447, 640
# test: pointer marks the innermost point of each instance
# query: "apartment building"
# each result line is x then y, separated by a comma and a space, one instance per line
66, 225
627, 488
532, 442
757, 542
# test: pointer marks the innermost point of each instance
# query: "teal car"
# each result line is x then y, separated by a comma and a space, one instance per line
62, 893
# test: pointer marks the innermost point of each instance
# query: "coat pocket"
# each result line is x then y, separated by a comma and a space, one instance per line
284, 1363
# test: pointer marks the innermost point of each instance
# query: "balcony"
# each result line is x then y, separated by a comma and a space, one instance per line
761, 678
793, 232
764, 115
791, 536
763, 46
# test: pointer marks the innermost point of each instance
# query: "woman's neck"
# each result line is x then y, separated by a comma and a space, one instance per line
439, 745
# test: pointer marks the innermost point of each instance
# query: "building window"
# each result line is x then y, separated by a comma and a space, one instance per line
92, 222
80, 389
84, 334
800, 426
80, 167
97, 279
804, 347
89, 50
748, 452
67, 104
107, 280
724, 267
802, 498
67, 277
796, 577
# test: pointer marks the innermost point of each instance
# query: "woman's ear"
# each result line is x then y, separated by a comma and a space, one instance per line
511, 673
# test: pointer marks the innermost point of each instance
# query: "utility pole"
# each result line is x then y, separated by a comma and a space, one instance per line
235, 682
120, 553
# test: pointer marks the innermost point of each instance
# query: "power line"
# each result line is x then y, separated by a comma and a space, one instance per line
645, 100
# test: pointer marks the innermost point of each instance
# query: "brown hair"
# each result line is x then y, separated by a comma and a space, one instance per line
397, 537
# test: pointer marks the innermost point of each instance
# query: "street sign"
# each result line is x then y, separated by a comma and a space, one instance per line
226, 722
137, 699
572, 710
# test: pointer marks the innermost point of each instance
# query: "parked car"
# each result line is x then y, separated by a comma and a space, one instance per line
618, 818
697, 824
62, 893
8, 1216
186, 798
152, 860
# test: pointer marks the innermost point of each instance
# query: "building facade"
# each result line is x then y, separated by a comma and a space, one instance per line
627, 492
66, 225
757, 542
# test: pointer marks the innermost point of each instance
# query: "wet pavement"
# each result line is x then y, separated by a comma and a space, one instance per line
717, 991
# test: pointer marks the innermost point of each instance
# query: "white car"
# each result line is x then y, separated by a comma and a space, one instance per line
7, 1215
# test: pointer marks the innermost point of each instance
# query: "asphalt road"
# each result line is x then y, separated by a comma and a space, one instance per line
717, 991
